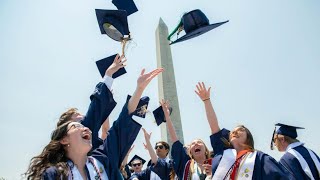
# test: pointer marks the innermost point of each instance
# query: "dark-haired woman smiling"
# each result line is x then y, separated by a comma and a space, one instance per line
65, 157
235, 156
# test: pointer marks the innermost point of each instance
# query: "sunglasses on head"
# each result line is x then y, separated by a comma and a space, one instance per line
136, 164
159, 146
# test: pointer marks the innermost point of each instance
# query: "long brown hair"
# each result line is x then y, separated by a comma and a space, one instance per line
249, 143
53, 154
66, 116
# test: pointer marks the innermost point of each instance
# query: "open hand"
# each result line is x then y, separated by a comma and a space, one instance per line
165, 107
116, 65
202, 92
147, 137
144, 79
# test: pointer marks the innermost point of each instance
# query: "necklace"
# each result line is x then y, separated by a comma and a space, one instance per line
97, 177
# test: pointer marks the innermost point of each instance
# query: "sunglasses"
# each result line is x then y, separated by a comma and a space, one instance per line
137, 164
159, 146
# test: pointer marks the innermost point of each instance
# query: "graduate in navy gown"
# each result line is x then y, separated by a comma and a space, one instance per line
162, 149
300, 161
146, 174
65, 157
102, 104
188, 162
235, 156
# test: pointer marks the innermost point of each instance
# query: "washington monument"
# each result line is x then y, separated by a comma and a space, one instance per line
166, 81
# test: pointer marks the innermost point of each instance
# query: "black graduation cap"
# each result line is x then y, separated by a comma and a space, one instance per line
159, 115
136, 157
194, 23
127, 5
142, 106
114, 23
103, 65
286, 130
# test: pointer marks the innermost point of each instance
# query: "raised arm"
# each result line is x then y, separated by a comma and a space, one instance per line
204, 95
105, 128
102, 102
125, 160
172, 132
142, 83
149, 147
124, 168
124, 130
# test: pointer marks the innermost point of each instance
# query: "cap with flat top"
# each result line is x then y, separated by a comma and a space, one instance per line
114, 23
136, 157
127, 5
194, 23
159, 115
286, 130
105, 63
142, 107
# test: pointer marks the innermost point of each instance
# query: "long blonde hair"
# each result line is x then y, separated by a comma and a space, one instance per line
207, 154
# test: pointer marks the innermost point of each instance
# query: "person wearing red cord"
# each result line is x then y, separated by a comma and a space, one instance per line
65, 157
188, 163
235, 156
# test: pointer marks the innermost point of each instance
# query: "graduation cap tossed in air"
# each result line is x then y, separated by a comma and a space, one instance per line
136, 157
142, 106
286, 130
127, 5
194, 23
103, 65
114, 23
159, 115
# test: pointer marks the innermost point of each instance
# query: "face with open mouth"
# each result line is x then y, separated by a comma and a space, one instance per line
79, 137
197, 149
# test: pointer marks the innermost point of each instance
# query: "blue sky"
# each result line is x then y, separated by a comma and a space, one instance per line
263, 67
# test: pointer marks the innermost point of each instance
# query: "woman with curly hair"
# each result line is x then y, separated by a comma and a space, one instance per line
65, 157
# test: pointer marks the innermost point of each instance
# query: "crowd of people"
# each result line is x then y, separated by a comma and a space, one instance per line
76, 151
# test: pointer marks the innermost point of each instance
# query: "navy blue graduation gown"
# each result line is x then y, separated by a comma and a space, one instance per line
111, 153
102, 104
180, 158
162, 169
291, 163
265, 166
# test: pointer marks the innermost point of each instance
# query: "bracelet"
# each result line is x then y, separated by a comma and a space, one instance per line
206, 99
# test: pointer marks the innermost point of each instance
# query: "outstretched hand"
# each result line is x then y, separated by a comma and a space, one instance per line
147, 137
144, 79
116, 65
202, 91
165, 107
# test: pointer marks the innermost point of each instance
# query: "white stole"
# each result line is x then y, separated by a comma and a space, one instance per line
229, 158
195, 175
301, 160
246, 169
91, 169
